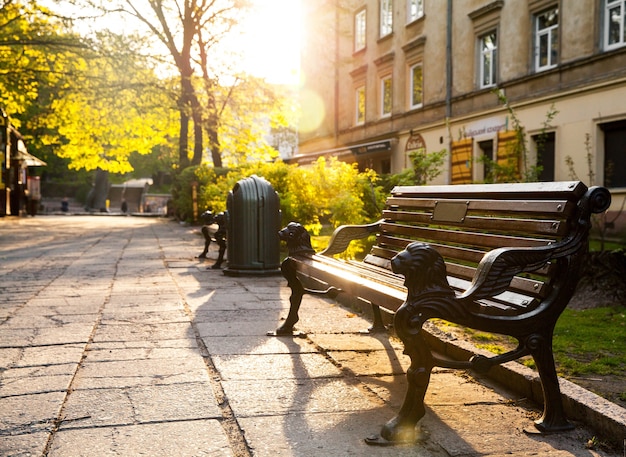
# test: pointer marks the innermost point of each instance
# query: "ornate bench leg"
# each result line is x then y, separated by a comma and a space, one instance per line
220, 258
297, 292
553, 419
377, 326
402, 428
207, 241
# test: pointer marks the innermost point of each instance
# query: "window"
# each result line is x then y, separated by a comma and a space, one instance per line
416, 86
359, 30
360, 105
385, 166
488, 59
614, 12
415, 10
385, 96
614, 156
386, 17
487, 159
546, 39
544, 145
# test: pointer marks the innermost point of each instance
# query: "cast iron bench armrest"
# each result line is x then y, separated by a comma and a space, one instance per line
343, 235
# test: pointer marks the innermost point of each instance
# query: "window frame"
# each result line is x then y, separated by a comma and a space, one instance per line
386, 101
552, 34
493, 58
412, 67
360, 30
414, 10
385, 22
608, 6
359, 105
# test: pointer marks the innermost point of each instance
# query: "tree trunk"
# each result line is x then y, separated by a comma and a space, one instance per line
211, 126
183, 141
197, 133
216, 151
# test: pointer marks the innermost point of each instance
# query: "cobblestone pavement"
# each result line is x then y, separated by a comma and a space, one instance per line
116, 341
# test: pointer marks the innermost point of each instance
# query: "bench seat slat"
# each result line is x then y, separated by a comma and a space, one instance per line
352, 272
522, 285
369, 271
517, 300
353, 283
518, 284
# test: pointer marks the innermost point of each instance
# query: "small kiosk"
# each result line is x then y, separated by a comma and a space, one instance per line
19, 194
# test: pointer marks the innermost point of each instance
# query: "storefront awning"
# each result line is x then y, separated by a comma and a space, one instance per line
350, 150
28, 159
366, 148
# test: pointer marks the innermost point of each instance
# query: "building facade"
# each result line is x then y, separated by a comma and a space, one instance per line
383, 78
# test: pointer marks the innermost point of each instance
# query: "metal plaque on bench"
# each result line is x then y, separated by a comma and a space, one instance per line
449, 211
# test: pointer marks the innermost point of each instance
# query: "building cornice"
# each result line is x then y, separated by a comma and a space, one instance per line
359, 71
419, 41
489, 8
385, 58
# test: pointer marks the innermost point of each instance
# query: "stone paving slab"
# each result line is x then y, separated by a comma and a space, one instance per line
275, 366
180, 439
324, 434
237, 345
293, 395
141, 372
24, 414
108, 352
144, 404
371, 363
67, 303
356, 342
241, 328
30, 381
131, 331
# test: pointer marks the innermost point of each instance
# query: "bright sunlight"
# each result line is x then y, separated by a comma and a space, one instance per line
270, 43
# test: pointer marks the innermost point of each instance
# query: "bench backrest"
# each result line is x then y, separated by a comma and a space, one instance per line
463, 222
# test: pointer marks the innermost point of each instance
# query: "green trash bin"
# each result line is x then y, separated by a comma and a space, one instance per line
253, 225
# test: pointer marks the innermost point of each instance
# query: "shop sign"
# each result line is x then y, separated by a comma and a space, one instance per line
371, 147
415, 143
486, 127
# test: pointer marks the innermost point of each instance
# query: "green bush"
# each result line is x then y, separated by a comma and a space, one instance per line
330, 193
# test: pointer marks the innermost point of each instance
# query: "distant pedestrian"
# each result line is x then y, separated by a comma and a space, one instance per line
65, 205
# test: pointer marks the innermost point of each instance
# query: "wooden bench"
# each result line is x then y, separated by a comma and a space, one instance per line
502, 258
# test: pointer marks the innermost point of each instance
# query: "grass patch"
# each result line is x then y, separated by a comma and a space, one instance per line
586, 342
596, 245
591, 341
